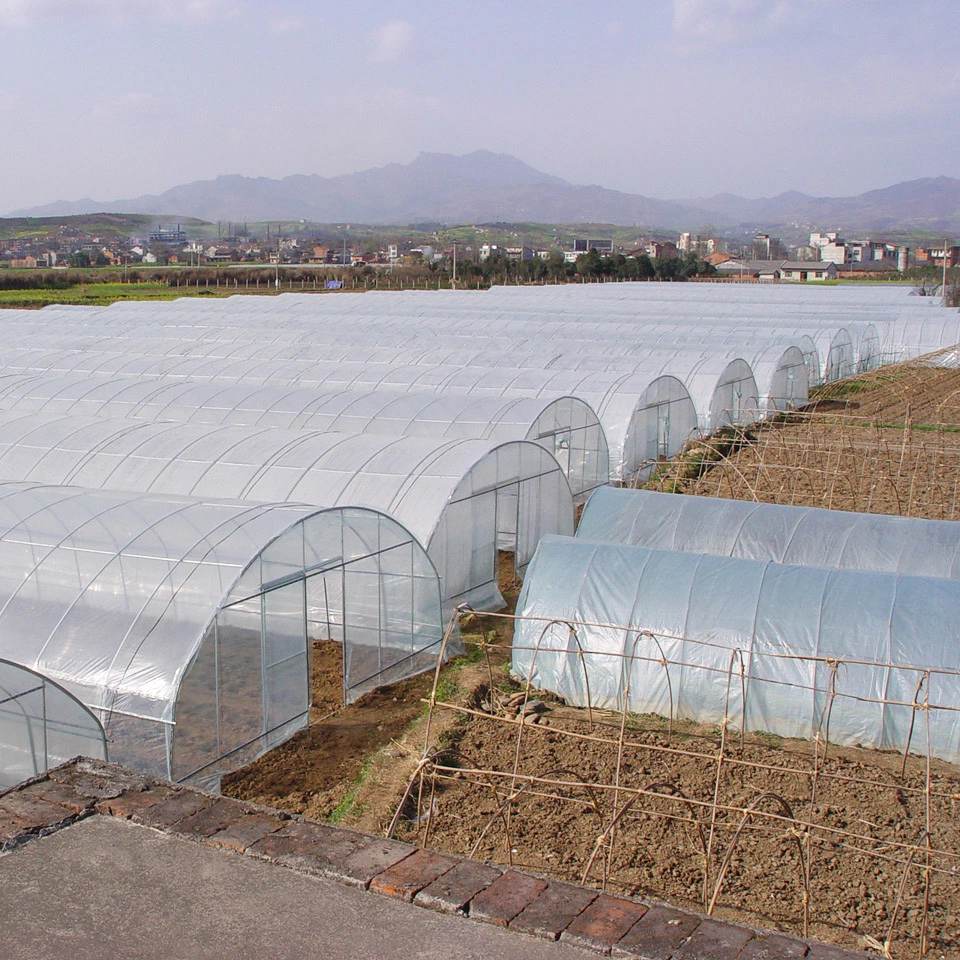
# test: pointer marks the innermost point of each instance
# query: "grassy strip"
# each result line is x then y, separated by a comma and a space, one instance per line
702, 456
347, 804
898, 425
103, 294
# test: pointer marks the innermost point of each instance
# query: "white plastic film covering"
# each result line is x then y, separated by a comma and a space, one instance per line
41, 726
675, 629
183, 625
503, 343
417, 480
566, 426
801, 536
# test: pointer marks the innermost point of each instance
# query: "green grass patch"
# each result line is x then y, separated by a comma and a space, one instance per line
692, 464
448, 687
851, 386
103, 294
841, 389
349, 802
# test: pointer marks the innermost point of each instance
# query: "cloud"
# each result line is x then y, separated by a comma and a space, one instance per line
392, 41
719, 22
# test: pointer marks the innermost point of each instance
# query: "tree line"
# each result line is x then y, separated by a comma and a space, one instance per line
496, 269
588, 266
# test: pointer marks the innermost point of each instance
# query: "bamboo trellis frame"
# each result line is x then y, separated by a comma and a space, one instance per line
926, 866
895, 452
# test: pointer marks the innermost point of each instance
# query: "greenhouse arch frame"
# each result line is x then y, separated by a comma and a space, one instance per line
42, 725
186, 626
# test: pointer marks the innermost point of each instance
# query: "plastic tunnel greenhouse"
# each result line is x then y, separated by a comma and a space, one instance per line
183, 626
841, 357
668, 633
41, 725
565, 426
464, 500
725, 393
782, 378
801, 536
658, 424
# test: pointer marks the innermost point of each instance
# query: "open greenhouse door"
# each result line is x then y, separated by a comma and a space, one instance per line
325, 632
508, 525
372, 618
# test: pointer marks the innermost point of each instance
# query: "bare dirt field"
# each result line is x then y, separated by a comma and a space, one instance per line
886, 442
768, 829
515, 793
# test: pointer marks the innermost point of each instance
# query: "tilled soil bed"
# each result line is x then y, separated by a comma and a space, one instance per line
855, 826
315, 772
887, 442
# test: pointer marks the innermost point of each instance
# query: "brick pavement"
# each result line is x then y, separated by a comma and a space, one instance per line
550, 909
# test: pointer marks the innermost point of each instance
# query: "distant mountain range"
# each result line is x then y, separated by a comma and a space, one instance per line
482, 187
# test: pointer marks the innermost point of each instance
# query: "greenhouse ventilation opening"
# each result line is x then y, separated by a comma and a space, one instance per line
183, 626
41, 726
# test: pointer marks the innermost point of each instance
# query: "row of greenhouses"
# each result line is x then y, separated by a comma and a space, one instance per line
651, 384
193, 492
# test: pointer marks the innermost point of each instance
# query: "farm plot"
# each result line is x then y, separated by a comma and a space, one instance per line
858, 847
841, 844
887, 442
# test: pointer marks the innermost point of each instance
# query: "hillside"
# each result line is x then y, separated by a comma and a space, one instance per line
483, 187
106, 225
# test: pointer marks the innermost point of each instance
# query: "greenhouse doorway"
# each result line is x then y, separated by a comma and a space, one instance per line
325, 620
506, 572
367, 619
506, 501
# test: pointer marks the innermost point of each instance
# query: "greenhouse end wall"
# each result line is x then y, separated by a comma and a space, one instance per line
183, 626
351, 576
41, 726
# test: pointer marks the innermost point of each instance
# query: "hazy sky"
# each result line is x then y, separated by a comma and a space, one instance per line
115, 98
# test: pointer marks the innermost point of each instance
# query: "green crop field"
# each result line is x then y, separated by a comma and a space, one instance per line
102, 294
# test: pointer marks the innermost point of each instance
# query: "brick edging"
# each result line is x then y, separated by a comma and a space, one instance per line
551, 909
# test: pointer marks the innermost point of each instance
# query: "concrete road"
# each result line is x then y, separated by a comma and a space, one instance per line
106, 888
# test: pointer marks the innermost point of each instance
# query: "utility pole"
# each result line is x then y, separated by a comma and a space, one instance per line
943, 283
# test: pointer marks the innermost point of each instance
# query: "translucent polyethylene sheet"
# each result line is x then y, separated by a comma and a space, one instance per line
41, 726
732, 349
785, 621
565, 426
462, 499
183, 625
658, 313
801, 536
